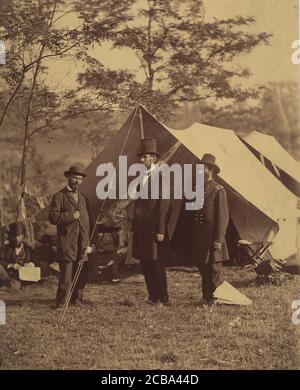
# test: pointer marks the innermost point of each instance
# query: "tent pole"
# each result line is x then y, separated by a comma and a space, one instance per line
141, 123
2, 238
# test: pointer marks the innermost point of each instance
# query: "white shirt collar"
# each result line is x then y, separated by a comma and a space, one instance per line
151, 169
70, 189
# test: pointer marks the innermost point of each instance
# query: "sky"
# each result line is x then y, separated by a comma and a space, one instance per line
267, 63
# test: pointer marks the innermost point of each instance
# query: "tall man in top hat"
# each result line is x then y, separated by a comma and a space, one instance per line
69, 210
150, 237
210, 225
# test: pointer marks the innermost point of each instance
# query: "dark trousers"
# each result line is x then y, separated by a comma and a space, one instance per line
212, 277
67, 273
156, 280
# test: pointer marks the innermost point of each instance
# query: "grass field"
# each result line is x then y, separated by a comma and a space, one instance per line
116, 329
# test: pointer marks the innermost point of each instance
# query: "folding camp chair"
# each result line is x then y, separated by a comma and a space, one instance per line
255, 249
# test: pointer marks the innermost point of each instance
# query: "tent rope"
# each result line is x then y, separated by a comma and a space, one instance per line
84, 259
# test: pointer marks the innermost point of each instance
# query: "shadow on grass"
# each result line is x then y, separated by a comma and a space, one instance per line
106, 276
248, 283
29, 301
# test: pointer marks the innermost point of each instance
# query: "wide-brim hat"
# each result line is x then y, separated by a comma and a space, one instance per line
148, 146
210, 159
74, 170
16, 228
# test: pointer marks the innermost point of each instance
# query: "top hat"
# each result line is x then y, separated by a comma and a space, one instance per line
148, 146
16, 228
210, 160
74, 170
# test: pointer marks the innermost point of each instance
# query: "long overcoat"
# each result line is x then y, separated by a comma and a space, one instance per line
149, 217
72, 234
210, 225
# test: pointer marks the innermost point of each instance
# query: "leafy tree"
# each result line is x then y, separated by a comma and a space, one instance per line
34, 33
93, 132
184, 57
275, 113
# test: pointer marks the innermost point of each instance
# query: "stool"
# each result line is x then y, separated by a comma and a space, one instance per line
255, 249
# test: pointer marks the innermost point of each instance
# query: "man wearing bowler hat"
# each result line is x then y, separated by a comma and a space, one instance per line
150, 237
210, 225
69, 210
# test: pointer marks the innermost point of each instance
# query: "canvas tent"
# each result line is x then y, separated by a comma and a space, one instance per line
261, 208
270, 152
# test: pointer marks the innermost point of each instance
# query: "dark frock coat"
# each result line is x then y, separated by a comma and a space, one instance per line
149, 217
71, 233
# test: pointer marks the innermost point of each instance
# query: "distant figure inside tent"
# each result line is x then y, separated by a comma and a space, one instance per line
69, 210
210, 225
44, 254
149, 233
16, 254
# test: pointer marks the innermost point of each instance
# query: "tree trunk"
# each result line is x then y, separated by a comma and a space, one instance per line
149, 59
24, 155
11, 99
28, 107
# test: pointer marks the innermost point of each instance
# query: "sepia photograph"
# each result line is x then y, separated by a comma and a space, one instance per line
149, 187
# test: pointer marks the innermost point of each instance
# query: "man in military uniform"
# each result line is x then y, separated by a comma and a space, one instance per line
150, 237
69, 210
210, 225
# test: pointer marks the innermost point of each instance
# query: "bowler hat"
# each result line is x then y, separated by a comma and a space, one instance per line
16, 228
210, 159
148, 146
74, 170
